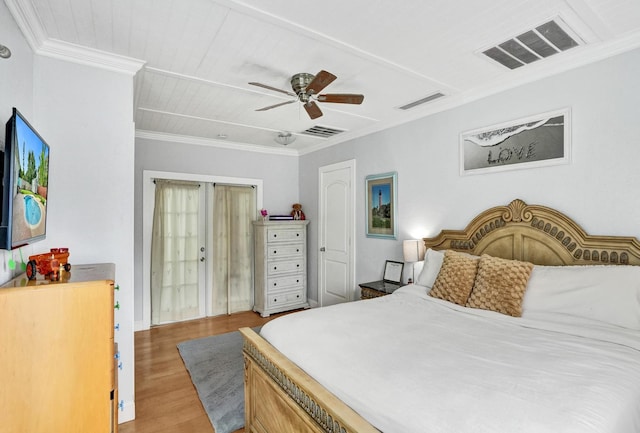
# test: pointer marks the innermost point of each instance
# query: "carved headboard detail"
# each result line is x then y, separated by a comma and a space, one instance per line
536, 234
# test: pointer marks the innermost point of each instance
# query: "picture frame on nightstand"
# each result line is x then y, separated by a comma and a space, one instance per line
393, 272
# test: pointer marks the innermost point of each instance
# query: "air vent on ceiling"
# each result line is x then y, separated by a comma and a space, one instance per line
545, 40
322, 131
421, 101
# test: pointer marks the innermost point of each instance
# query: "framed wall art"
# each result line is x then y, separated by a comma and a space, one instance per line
534, 141
381, 205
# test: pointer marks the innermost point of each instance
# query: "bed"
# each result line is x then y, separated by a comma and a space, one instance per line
567, 360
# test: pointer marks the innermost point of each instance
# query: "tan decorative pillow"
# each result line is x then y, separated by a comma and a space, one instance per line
455, 279
500, 285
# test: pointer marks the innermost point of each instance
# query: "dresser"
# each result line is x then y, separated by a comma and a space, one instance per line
57, 368
280, 266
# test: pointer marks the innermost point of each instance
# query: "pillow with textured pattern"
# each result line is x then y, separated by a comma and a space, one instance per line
455, 279
500, 285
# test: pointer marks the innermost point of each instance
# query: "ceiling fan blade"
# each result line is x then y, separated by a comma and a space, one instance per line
275, 106
321, 80
341, 98
253, 83
313, 110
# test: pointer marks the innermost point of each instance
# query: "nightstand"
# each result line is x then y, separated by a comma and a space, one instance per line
375, 289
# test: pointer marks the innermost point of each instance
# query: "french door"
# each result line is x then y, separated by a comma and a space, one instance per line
203, 264
177, 252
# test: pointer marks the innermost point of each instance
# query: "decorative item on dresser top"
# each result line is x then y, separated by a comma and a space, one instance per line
280, 266
568, 362
57, 360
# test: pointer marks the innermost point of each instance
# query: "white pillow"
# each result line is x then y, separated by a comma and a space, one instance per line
432, 264
608, 294
417, 269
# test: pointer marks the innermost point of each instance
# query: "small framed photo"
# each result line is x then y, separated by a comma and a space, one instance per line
393, 272
381, 205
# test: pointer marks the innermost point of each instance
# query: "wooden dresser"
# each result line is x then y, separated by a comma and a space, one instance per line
280, 266
57, 369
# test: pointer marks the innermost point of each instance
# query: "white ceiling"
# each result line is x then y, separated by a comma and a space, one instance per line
195, 58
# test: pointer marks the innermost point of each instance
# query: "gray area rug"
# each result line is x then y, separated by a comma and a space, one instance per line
217, 371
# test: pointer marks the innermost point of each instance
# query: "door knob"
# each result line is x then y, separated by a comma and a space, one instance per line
323, 249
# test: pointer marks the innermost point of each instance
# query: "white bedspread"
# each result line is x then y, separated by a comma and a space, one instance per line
410, 363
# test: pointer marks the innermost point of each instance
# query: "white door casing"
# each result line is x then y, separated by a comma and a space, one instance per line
336, 233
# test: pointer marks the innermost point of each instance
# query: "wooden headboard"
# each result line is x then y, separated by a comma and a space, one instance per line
536, 234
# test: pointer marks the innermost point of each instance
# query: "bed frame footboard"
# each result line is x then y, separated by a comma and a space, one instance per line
280, 397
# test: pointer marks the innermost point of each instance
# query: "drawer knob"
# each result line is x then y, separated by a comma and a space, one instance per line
298, 265
297, 281
297, 234
275, 284
275, 267
297, 250
274, 251
275, 300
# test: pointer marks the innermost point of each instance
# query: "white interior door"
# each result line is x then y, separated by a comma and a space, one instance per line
336, 268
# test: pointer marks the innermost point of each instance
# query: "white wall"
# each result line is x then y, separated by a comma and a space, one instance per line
85, 114
599, 189
16, 90
279, 174
16, 72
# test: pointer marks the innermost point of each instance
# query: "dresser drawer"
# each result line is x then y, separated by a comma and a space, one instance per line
285, 235
275, 251
284, 298
275, 267
285, 282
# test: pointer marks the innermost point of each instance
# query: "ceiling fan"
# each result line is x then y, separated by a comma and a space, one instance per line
306, 88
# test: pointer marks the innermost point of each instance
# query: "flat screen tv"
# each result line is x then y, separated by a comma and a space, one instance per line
25, 181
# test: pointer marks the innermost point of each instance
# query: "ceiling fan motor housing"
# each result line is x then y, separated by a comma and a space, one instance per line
299, 83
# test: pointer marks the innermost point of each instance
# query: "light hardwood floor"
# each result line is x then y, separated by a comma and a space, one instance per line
166, 400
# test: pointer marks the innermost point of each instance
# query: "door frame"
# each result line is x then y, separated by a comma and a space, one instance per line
351, 164
148, 201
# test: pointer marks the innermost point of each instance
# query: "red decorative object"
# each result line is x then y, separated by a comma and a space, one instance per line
49, 264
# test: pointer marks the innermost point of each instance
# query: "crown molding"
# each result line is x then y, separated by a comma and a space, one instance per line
31, 27
28, 22
198, 141
89, 56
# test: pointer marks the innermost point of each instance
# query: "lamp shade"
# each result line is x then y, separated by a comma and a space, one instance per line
413, 250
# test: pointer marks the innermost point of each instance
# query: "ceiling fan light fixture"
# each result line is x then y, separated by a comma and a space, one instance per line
285, 138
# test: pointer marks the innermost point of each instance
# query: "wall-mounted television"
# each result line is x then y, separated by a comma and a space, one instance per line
25, 183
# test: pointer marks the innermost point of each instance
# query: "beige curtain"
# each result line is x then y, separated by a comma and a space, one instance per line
234, 209
174, 252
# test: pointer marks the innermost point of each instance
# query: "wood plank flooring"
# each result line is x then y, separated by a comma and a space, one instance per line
166, 400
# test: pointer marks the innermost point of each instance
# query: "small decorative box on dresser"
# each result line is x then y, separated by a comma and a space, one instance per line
57, 368
280, 266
